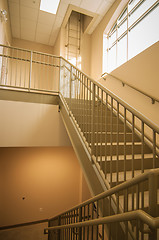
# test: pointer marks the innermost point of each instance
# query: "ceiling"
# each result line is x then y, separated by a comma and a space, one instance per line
29, 23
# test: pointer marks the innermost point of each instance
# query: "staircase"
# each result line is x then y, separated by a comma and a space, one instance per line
118, 149
119, 158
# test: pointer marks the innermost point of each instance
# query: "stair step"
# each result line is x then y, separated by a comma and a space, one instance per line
121, 175
101, 149
114, 165
101, 137
103, 127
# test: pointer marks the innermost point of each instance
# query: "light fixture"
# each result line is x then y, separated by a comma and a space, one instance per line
49, 6
3, 15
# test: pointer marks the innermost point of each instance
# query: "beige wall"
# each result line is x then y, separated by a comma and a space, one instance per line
20, 43
32, 232
85, 53
5, 30
31, 124
48, 179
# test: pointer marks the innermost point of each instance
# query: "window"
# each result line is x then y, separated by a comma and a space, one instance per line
135, 29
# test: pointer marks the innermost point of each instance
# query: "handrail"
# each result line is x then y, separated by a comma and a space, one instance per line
133, 215
124, 104
111, 191
131, 86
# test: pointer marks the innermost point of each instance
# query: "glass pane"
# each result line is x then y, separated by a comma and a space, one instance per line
144, 34
132, 4
105, 46
122, 16
140, 10
122, 28
112, 39
112, 58
122, 51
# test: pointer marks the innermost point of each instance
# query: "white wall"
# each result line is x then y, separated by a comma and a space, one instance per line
31, 124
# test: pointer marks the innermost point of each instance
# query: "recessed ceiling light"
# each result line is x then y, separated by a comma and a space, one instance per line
49, 6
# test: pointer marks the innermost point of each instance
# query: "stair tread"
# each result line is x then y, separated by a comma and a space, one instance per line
121, 157
115, 144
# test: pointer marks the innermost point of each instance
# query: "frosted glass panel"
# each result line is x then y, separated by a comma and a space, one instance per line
112, 39
144, 34
112, 59
122, 28
140, 10
132, 4
122, 16
122, 51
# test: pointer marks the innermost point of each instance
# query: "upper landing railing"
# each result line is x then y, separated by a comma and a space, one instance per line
28, 70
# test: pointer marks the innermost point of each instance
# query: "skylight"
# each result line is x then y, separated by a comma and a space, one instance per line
49, 6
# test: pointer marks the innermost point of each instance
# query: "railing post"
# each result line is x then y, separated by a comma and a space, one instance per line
93, 121
59, 223
59, 82
80, 220
70, 93
31, 56
153, 184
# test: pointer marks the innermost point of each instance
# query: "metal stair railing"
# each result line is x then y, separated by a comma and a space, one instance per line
27, 70
90, 212
93, 109
83, 230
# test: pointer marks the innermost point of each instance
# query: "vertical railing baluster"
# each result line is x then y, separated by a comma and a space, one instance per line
70, 93
105, 136
117, 155
16, 68
124, 144
142, 147
126, 210
87, 111
153, 186
80, 220
154, 149
90, 109
97, 127
31, 56
111, 143
102, 128
93, 121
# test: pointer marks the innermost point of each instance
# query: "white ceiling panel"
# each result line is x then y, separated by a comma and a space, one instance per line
62, 9
90, 5
15, 20
30, 23
43, 28
58, 22
76, 2
46, 18
14, 8
30, 3
15, 1
103, 8
66, 1
28, 13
